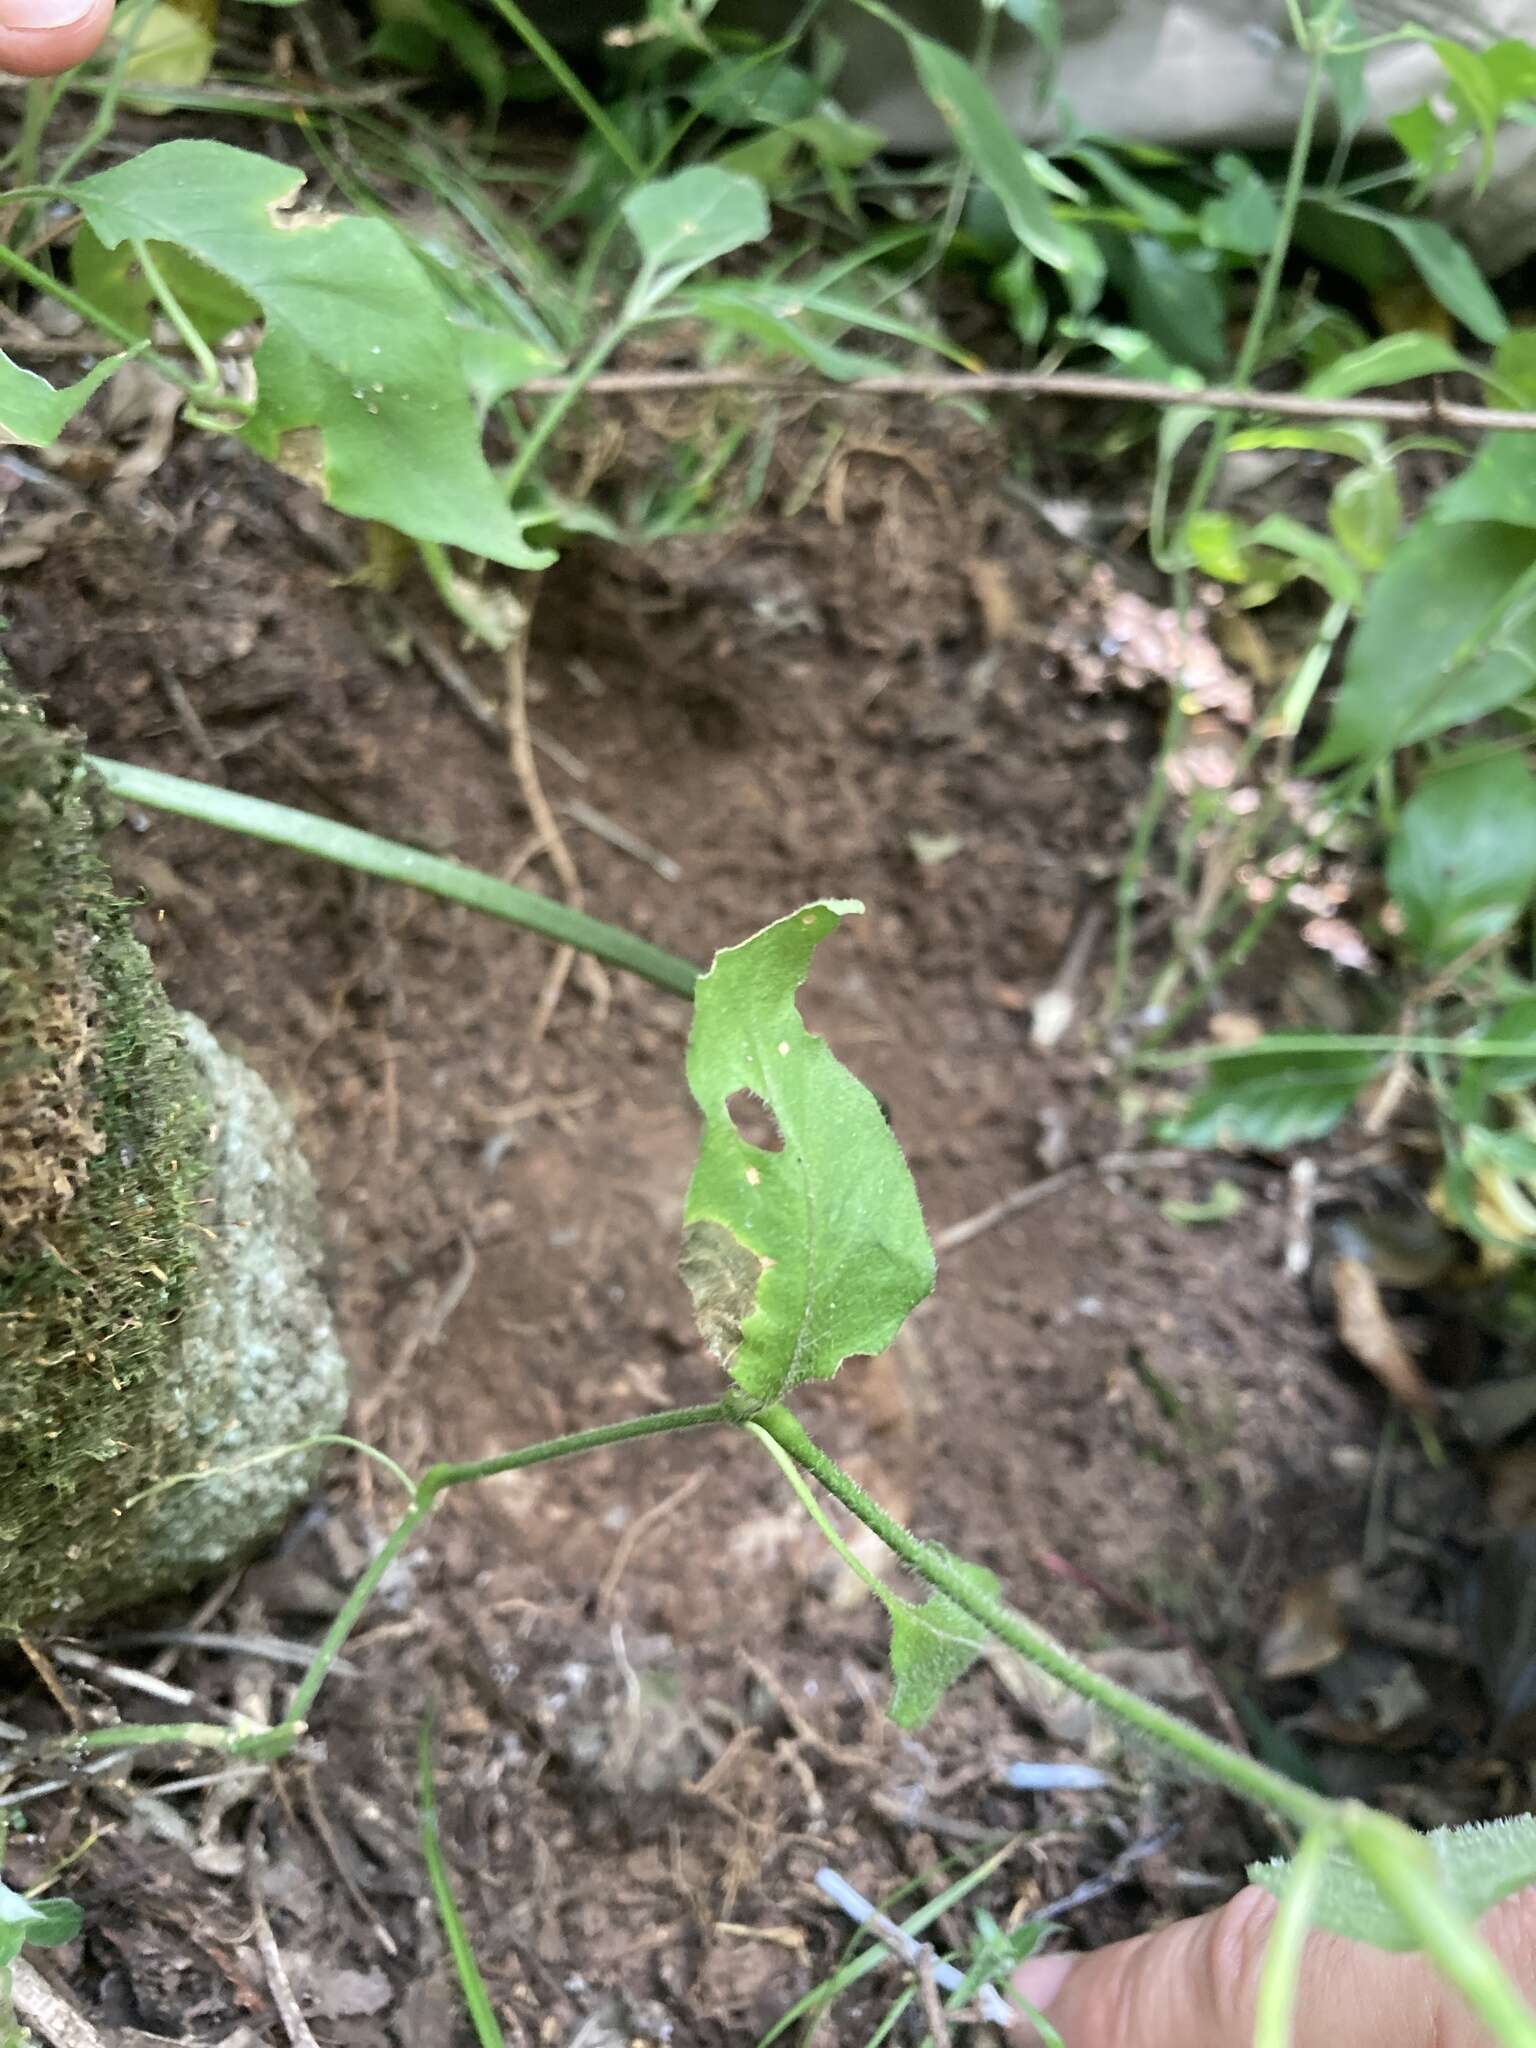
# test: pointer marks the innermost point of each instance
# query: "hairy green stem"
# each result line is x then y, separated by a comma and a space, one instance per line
1274, 264
435, 1482
1403, 1870
176, 313
1280, 1979
304, 832
1201, 1752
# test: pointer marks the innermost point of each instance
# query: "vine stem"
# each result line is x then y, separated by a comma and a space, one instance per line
1280, 1979
266, 1745
429, 1488
1203, 1753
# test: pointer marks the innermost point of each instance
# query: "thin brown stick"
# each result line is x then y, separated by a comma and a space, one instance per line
957, 1234
928, 1993
289, 2011
526, 769
1299, 405
640, 1527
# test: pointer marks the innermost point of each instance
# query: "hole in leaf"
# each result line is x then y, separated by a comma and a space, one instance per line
754, 1121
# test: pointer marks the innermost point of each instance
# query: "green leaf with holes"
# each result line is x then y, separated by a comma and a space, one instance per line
38, 1923
1477, 1865
933, 1645
360, 379
800, 1257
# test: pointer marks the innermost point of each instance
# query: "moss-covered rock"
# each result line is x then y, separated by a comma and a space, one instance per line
159, 1304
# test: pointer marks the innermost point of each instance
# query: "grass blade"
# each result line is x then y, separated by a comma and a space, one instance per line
305, 832
477, 1999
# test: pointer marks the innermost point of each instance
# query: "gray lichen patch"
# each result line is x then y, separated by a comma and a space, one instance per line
160, 1310
257, 1364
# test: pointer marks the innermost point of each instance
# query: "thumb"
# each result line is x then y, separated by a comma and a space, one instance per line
39, 37
1195, 1985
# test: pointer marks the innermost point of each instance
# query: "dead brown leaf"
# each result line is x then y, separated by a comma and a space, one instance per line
1370, 1335
1310, 1631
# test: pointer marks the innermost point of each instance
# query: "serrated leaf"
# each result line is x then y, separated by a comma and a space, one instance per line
1462, 862
359, 375
686, 221
1271, 1100
933, 1645
1442, 639
1478, 1866
33, 412
832, 1217
38, 1923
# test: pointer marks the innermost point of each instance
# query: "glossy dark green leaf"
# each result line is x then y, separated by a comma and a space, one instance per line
1461, 865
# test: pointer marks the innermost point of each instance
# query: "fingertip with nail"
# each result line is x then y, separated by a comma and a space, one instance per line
41, 37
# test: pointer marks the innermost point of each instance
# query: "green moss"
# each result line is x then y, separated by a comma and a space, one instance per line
158, 1246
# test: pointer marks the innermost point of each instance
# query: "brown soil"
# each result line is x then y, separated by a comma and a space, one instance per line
651, 1734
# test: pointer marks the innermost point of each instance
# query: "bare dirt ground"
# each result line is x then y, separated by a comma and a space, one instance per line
658, 1705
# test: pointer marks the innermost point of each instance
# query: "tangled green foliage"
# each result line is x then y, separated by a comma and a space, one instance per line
102, 1148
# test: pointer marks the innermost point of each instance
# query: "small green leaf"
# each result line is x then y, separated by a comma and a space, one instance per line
359, 374
1462, 862
933, 1645
1478, 1866
1219, 546
1245, 218
683, 222
39, 1923
831, 1220
33, 412
1395, 359
773, 316
1365, 512
1445, 637
1271, 1100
